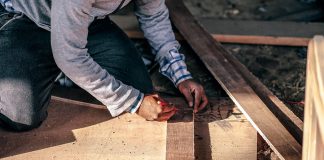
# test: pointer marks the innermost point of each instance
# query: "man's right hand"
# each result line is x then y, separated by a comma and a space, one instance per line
152, 110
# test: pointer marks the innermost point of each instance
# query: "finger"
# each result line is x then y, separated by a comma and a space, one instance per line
187, 94
166, 116
204, 102
168, 108
197, 100
155, 96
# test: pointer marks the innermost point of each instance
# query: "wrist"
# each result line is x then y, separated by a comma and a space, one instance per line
182, 81
137, 103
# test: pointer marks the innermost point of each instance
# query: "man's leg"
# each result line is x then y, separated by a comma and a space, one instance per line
110, 47
27, 74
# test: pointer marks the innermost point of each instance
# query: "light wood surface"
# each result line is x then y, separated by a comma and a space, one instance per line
224, 134
212, 55
282, 112
242, 31
313, 146
80, 132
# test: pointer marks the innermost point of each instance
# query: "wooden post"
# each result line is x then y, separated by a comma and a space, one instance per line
313, 142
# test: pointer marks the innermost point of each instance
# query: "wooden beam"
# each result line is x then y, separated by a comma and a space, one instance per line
223, 133
212, 55
242, 31
180, 129
180, 133
74, 131
313, 146
282, 112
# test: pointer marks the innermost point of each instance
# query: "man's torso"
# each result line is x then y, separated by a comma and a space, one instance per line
40, 11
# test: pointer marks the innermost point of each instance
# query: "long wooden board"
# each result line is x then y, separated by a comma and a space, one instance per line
180, 129
212, 55
180, 133
242, 31
313, 146
81, 132
223, 133
282, 112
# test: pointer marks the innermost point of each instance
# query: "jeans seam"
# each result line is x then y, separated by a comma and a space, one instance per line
16, 16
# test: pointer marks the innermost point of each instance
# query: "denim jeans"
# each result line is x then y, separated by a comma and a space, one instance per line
28, 70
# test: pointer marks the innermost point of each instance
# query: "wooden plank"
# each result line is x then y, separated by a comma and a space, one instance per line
282, 112
212, 55
313, 146
180, 133
84, 133
180, 129
242, 31
80, 108
223, 133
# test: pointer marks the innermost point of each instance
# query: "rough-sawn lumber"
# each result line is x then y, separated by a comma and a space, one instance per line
242, 31
212, 55
180, 129
313, 146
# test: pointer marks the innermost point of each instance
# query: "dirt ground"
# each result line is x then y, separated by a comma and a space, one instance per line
281, 69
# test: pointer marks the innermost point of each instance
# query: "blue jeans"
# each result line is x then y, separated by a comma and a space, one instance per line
28, 70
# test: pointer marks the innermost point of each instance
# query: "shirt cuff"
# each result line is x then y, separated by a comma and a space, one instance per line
175, 68
134, 107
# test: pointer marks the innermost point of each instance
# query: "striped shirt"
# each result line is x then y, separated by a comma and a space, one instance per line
171, 62
7, 5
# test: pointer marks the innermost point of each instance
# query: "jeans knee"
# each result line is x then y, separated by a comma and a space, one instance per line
20, 125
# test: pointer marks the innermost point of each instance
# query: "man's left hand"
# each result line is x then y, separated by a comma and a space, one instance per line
194, 93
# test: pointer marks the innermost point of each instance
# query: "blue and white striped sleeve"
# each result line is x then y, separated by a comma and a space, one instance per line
134, 107
153, 17
7, 4
174, 67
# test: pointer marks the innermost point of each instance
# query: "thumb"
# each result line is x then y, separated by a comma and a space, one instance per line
187, 94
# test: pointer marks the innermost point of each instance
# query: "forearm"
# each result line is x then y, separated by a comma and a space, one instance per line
155, 23
69, 39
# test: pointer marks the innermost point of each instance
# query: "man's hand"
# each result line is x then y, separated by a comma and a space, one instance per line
153, 108
194, 93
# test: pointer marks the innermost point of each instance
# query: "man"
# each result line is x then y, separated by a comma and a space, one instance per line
46, 37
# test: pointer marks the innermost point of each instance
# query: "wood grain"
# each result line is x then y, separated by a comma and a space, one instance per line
222, 132
79, 132
212, 55
242, 31
313, 146
78, 127
180, 129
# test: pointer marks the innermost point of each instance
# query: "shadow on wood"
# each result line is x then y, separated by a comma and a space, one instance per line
56, 130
